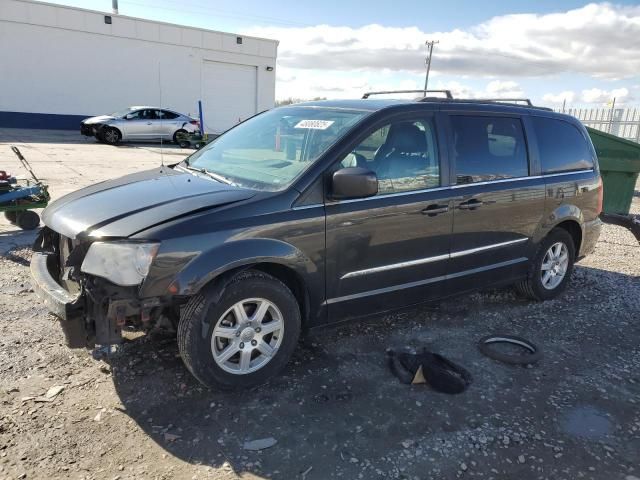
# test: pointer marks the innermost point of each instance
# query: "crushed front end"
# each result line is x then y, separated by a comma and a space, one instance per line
92, 310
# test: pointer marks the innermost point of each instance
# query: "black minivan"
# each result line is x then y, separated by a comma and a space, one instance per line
316, 213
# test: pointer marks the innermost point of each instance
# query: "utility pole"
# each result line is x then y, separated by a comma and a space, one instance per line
429, 45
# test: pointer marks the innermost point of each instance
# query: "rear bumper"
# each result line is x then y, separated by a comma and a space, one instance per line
64, 305
591, 233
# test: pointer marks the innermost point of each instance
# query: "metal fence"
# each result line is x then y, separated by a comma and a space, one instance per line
623, 122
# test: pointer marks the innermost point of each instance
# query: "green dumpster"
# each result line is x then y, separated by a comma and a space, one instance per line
619, 161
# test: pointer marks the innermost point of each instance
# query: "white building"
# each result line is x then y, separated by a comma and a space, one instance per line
60, 64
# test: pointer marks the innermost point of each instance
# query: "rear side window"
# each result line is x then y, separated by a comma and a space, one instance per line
562, 146
488, 148
167, 115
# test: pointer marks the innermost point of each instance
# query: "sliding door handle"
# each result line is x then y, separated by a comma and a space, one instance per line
470, 205
435, 209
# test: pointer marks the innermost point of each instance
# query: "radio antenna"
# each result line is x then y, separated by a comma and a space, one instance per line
161, 118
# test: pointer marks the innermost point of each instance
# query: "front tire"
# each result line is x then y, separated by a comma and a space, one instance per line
551, 269
241, 336
111, 135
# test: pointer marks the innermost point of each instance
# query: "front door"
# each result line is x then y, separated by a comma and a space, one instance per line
139, 125
391, 249
498, 201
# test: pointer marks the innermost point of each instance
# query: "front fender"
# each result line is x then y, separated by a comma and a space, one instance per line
220, 259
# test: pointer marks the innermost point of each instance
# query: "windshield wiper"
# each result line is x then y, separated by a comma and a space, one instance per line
217, 177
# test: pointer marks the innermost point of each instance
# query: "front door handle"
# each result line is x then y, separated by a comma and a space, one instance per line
149, 123
435, 209
471, 204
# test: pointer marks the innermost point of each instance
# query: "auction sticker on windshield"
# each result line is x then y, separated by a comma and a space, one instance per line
314, 124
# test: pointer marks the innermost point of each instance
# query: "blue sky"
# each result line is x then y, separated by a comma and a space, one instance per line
551, 51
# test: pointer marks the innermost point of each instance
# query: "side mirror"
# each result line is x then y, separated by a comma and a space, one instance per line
127, 116
354, 182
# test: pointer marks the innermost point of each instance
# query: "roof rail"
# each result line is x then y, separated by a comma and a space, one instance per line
424, 92
504, 100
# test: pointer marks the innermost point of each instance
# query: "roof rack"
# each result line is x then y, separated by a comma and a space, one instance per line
424, 92
449, 97
504, 100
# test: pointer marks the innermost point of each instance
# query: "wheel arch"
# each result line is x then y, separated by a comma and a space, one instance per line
568, 217
287, 275
214, 269
575, 230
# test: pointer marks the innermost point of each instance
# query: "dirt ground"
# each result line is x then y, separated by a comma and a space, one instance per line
336, 411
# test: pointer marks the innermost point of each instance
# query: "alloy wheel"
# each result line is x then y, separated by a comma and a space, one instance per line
247, 336
111, 136
554, 265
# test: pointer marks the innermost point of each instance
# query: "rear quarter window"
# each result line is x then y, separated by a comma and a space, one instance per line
562, 146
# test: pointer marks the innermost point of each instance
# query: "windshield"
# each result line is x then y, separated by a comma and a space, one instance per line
269, 151
120, 113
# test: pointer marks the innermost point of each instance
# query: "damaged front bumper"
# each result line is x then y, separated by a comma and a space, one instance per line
89, 130
64, 305
98, 310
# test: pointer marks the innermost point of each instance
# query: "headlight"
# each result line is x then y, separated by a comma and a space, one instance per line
119, 262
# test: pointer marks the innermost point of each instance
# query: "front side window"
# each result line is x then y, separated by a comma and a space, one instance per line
402, 154
269, 151
488, 148
137, 115
150, 115
562, 147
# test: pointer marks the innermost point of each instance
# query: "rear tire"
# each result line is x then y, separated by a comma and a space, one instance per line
208, 357
28, 220
549, 273
179, 133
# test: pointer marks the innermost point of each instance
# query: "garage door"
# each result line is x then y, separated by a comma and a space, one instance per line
228, 94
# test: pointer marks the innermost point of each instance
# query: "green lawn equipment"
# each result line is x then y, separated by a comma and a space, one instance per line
18, 198
192, 140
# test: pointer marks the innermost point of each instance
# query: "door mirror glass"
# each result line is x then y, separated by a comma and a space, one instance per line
354, 182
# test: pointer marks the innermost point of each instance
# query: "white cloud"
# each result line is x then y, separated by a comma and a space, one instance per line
493, 89
596, 95
596, 40
559, 98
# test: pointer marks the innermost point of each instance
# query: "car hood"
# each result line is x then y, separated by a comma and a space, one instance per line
133, 203
98, 119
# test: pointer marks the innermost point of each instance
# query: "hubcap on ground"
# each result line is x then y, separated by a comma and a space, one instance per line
554, 265
247, 336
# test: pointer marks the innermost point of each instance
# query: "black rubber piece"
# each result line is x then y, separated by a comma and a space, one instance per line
533, 354
440, 373
626, 221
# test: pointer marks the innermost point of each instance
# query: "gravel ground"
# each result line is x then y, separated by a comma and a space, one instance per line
336, 411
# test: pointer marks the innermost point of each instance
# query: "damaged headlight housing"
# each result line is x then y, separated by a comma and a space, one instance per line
123, 263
